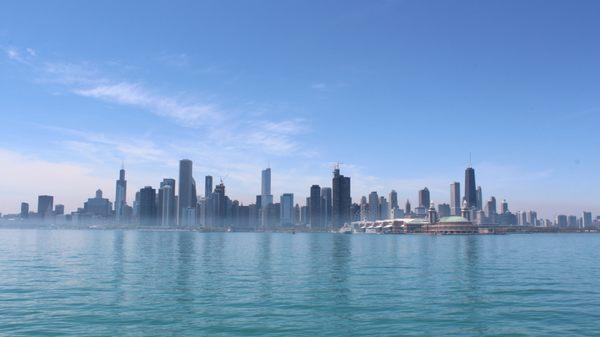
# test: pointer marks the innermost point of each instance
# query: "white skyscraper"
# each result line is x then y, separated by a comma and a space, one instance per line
266, 199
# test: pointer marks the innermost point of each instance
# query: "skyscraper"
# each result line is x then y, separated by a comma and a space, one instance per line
166, 205
265, 196
455, 198
208, 186
186, 190
147, 206
120, 196
424, 198
326, 208
341, 201
470, 188
407, 208
287, 209
479, 198
315, 207
24, 210
45, 205
587, 219
373, 206
393, 199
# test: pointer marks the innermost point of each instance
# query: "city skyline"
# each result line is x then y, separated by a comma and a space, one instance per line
452, 79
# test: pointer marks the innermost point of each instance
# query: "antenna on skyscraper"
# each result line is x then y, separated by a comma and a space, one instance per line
470, 164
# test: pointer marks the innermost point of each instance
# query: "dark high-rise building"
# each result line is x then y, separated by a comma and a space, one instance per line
444, 210
45, 205
208, 186
394, 200
373, 206
220, 205
97, 206
59, 209
407, 208
455, 198
587, 219
479, 198
316, 220
470, 188
148, 206
341, 201
187, 193
24, 210
424, 198
120, 196
326, 208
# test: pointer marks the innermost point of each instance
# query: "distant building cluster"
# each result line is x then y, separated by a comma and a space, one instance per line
176, 203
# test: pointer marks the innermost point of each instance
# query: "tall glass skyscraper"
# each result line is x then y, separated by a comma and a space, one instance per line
455, 198
186, 190
120, 196
341, 201
470, 188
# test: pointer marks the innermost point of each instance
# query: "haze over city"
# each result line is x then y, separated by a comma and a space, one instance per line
399, 93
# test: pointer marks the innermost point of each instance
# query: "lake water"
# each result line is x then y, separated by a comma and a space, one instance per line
131, 283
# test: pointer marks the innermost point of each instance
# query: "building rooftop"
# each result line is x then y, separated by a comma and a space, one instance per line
448, 219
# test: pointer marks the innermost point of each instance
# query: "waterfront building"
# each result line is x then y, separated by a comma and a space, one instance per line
187, 190
424, 198
504, 207
561, 221
341, 200
455, 198
479, 198
120, 196
326, 197
265, 196
373, 206
407, 209
394, 200
316, 218
470, 188
364, 209
147, 216
45, 206
97, 206
444, 210
572, 221
59, 209
166, 203
24, 210
208, 186
587, 219
384, 208
287, 209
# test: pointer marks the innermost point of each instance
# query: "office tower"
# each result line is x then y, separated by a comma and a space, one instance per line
424, 198
470, 189
524, 219
326, 195
364, 209
373, 206
561, 221
45, 205
208, 186
59, 209
166, 204
444, 210
572, 221
147, 206
587, 219
455, 198
265, 196
341, 200
220, 205
315, 207
479, 198
407, 209
504, 208
24, 210
186, 190
384, 208
287, 209
120, 196
394, 200
532, 218
97, 206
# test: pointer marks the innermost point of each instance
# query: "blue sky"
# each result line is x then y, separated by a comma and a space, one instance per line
398, 91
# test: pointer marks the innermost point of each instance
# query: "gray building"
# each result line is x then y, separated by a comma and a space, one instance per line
373, 206
45, 205
316, 217
341, 201
326, 208
424, 198
147, 206
455, 200
187, 190
287, 209
24, 210
120, 196
470, 188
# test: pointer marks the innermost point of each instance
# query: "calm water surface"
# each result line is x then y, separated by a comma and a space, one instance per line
128, 283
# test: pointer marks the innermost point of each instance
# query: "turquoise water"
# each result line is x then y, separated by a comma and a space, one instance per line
128, 283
